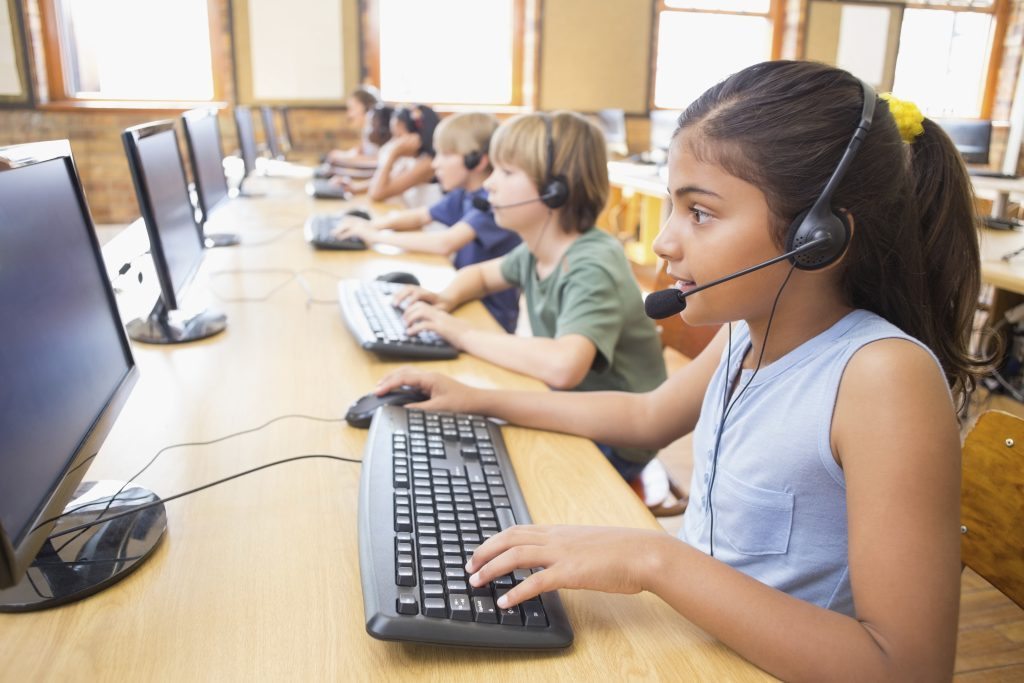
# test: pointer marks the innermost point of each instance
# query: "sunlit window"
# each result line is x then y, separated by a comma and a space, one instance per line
449, 51
943, 60
135, 49
698, 49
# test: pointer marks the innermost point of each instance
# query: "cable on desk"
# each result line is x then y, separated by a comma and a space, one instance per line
160, 452
269, 240
292, 274
310, 298
306, 456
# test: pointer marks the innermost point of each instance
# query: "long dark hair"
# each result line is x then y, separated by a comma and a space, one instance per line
913, 259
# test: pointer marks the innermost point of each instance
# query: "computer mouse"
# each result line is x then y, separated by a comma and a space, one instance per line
399, 276
359, 213
360, 413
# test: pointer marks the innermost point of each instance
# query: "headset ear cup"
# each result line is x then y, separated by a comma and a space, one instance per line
806, 228
555, 192
472, 159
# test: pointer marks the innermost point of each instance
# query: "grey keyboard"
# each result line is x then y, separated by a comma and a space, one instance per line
434, 486
378, 326
318, 230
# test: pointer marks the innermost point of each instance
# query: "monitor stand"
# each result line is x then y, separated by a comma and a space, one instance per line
212, 240
78, 564
162, 327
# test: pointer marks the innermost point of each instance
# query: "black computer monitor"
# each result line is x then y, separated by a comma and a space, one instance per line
246, 139
159, 177
613, 124
270, 132
972, 137
66, 369
202, 137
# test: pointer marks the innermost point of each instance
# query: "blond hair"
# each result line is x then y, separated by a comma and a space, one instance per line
579, 157
465, 133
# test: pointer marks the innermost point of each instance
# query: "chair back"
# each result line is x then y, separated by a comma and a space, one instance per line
992, 502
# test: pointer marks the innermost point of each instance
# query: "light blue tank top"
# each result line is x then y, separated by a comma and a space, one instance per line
779, 498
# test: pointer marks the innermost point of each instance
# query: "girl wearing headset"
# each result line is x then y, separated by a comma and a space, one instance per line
822, 535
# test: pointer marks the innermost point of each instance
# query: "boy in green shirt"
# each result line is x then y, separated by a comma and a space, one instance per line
549, 184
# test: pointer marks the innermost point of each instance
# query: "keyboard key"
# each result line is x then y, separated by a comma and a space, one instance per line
459, 606
407, 604
405, 576
435, 607
510, 617
484, 611
534, 613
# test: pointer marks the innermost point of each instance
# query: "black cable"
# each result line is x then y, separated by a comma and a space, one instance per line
171, 447
134, 511
725, 413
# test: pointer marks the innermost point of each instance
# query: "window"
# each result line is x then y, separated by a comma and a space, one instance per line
447, 51
944, 57
129, 50
700, 42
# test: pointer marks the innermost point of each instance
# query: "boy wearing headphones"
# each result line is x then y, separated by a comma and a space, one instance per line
549, 184
461, 164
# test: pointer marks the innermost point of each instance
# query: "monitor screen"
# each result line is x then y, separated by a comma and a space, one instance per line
202, 133
246, 138
163, 199
971, 137
64, 357
270, 132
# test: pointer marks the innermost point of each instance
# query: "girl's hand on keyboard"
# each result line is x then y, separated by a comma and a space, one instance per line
423, 317
607, 559
445, 393
355, 227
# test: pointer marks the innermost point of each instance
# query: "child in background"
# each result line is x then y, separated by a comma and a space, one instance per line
461, 164
549, 184
358, 106
822, 537
404, 162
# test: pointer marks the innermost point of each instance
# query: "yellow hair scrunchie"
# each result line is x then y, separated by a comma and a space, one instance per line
908, 117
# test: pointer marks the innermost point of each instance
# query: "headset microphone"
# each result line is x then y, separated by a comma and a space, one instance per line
481, 204
668, 302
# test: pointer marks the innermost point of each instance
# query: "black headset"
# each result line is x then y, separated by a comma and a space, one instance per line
472, 159
554, 192
820, 221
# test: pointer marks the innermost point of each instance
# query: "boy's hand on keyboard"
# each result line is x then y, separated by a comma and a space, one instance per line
410, 294
607, 559
355, 227
445, 392
423, 317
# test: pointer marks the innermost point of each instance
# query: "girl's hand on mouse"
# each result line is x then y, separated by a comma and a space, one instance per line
445, 392
410, 294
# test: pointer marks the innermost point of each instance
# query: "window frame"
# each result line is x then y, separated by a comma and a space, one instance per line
56, 80
775, 15
525, 57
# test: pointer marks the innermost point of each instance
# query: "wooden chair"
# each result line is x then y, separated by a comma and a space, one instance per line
992, 502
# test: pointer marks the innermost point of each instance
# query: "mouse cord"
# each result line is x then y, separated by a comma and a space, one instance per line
180, 445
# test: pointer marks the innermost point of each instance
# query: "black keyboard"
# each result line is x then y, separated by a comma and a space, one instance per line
323, 188
434, 486
378, 326
985, 173
318, 230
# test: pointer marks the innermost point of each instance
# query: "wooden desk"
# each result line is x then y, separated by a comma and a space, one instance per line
258, 579
999, 189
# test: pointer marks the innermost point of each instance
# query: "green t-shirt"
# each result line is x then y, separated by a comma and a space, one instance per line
592, 293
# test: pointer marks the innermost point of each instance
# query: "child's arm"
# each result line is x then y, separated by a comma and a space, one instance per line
651, 420
895, 432
443, 242
384, 186
560, 363
410, 219
470, 283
